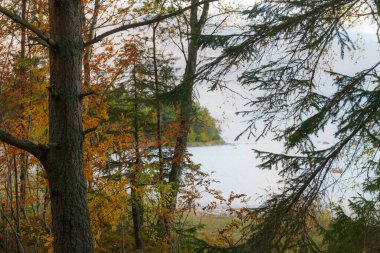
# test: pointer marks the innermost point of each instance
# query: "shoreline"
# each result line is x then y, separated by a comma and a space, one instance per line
207, 144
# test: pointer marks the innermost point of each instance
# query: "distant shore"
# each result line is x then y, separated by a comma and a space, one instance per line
207, 144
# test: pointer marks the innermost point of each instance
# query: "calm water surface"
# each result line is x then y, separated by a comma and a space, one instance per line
235, 167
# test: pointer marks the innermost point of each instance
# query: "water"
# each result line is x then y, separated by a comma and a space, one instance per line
235, 167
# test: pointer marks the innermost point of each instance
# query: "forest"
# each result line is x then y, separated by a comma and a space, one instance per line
103, 103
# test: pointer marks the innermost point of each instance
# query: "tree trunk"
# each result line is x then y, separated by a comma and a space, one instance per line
158, 106
137, 205
4, 244
88, 52
64, 160
17, 202
185, 106
23, 179
23, 78
179, 153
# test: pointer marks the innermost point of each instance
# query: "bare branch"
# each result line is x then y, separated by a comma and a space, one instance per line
156, 19
203, 18
38, 151
24, 23
86, 94
39, 41
90, 130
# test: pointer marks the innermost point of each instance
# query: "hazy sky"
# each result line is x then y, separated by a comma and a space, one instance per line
223, 105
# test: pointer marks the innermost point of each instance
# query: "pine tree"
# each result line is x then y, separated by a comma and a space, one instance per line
287, 43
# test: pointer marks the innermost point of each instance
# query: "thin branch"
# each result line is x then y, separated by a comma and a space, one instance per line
90, 130
86, 94
38, 151
203, 18
27, 25
144, 23
39, 41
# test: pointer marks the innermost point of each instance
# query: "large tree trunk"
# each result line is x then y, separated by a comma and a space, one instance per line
64, 161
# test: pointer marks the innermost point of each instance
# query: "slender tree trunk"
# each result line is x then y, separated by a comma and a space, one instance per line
158, 106
23, 180
4, 244
163, 220
17, 204
88, 51
24, 156
185, 108
17, 200
64, 160
87, 58
185, 105
136, 199
9, 190
45, 205
179, 152
36, 209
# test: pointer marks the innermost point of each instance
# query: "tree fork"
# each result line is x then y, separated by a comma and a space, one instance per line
196, 24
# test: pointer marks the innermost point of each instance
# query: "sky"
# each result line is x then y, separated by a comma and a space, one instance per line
223, 105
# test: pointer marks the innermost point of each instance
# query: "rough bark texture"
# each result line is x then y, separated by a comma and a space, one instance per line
64, 161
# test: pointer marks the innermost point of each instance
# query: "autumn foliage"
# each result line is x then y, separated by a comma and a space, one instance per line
125, 122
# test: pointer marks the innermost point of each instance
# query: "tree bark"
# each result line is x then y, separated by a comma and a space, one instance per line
137, 205
17, 200
64, 160
88, 51
23, 78
185, 105
158, 105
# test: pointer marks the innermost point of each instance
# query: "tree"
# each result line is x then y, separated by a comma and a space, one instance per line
289, 43
355, 232
183, 95
62, 157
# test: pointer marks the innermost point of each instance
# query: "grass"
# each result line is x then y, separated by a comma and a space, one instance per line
211, 226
